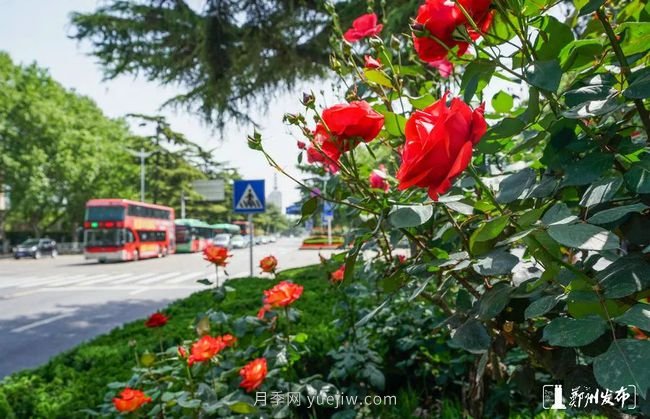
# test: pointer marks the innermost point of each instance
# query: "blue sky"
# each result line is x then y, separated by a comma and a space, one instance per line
36, 31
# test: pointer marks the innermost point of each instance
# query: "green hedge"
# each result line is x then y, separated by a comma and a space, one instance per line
77, 379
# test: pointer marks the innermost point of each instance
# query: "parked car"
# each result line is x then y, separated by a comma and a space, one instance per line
257, 240
36, 248
238, 242
273, 239
264, 239
222, 240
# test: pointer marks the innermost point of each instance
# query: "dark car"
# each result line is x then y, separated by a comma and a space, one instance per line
35, 248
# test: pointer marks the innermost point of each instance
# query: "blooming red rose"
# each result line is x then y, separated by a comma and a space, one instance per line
156, 320
363, 27
438, 146
253, 374
216, 254
440, 18
268, 264
130, 400
378, 180
281, 295
205, 348
371, 63
344, 125
339, 274
228, 339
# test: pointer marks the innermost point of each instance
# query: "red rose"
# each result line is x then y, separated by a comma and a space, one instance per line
205, 349
253, 374
130, 400
440, 18
156, 320
301, 145
281, 295
268, 264
339, 274
228, 339
438, 145
363, 27
378, 179
344, 125
371, 63
216, 254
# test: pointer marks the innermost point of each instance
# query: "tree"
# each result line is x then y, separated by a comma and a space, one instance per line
57, 150
229, 56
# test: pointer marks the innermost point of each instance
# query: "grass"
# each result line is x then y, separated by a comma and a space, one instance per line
77, 379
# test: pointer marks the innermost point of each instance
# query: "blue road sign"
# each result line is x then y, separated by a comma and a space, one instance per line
295, 209
328, 210
248, 196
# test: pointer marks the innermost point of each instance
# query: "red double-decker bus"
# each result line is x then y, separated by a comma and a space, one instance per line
119, 229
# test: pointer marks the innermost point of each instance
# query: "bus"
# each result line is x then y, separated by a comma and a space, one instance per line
120, 229
226, 229
244, 227
192, 235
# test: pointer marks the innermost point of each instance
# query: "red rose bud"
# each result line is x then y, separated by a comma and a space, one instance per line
378, 179
371, 63
130, 400
216, 254
253, 374
440, 18
438, 146
182, 352
268, 264
156, 320
363, 27
444, 66
338, 275
302, 145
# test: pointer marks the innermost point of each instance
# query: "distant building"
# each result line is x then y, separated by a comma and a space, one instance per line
275, 197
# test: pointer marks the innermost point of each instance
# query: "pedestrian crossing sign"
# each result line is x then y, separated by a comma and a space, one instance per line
248, 196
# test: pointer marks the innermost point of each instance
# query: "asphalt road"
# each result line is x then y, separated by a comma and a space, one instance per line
50, 305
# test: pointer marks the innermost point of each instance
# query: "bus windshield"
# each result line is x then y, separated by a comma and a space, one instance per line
107, 213
104, 237
183, 234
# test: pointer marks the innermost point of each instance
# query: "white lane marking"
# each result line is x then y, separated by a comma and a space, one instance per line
138, 291
68, 280
41, 281
186, 277
41, 322
104, 278
157, 278
133, 278
6, 283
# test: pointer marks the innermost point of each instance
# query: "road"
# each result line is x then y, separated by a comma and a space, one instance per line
50, 305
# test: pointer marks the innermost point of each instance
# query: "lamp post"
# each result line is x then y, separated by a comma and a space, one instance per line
142, 155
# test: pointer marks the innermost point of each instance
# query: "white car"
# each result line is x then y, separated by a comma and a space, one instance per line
238, 242
222, 240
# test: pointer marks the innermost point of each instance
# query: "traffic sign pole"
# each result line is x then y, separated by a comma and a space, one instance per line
250, 241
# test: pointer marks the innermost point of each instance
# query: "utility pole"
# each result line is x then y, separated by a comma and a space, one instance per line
183, 204
142, 155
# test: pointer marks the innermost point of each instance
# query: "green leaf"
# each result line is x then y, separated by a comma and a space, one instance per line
497, 262
568, 332
242, 408
601, 191
402, 216
591, 7
515, 237
507, 127
638, 177
614, 214
472, 337
627, 275
494, 301
584, 236
553, 36
394, 123
638, 315
579, 54
541, 306
545, 75
308, 208
204, 281
558, 214
377, 76
423, 101
639, 88
502, 102
587, 169
516, 186
636, 37
476, 76
490, 230
624, 364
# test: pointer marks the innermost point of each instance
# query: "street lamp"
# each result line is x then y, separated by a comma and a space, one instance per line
142, 155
